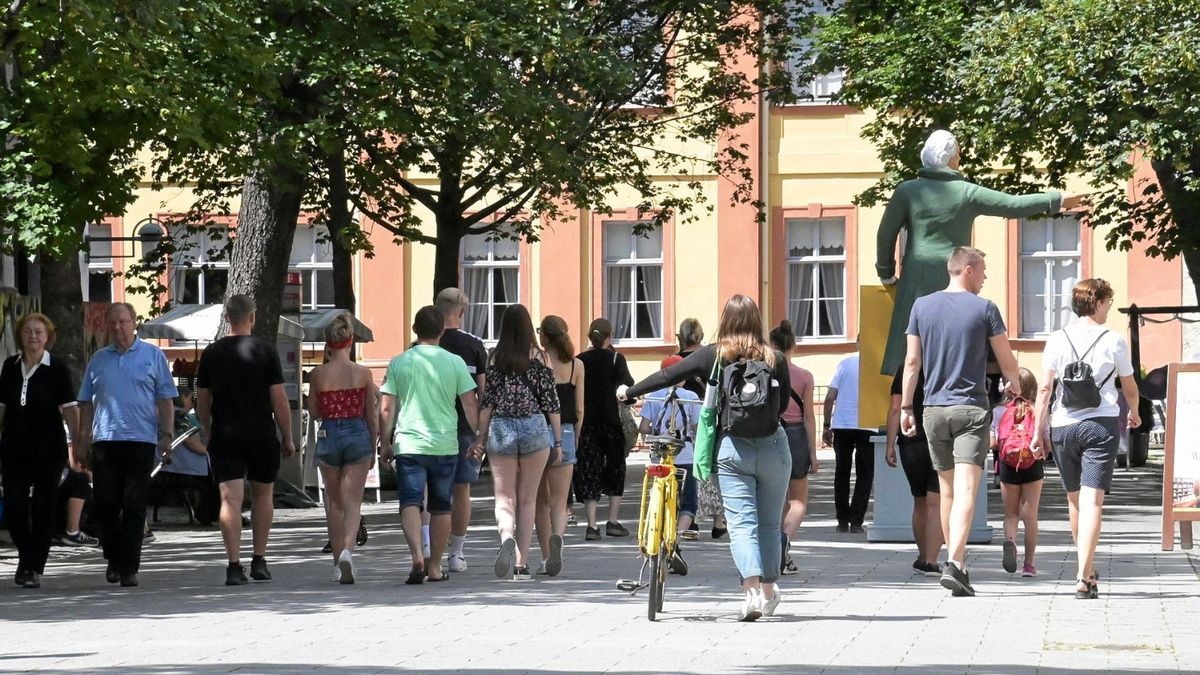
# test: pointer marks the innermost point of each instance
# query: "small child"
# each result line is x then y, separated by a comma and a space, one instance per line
1020, 488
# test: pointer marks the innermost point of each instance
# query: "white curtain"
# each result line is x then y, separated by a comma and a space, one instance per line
800, 294
833, 285
475, 285
651, 276
619, 303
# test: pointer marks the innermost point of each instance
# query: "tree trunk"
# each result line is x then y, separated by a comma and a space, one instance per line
263, 242
1185, 209
62, 302
339, 227
449, 242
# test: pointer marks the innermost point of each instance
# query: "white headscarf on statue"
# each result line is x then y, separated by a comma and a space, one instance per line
939, 149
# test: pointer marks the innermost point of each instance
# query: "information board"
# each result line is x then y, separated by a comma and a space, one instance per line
1181, 465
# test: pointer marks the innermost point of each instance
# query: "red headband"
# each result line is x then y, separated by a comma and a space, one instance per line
340, 344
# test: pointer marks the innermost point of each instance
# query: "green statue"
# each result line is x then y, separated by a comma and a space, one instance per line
938, 209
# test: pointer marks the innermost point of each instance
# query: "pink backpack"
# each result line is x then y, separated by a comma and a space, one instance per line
1015, 434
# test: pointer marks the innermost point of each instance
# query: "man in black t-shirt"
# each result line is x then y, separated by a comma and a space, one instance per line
452, 303
241, 401
922, 479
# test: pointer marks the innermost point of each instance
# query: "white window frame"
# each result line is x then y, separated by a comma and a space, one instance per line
823, 87
816, 260
97, 264
493, 266
633, 263
320, 260
1050, 256
198, 264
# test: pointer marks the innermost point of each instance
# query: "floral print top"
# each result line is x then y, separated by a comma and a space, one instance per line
341, 404
530, 393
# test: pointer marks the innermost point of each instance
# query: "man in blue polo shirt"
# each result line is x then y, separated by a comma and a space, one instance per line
125, 410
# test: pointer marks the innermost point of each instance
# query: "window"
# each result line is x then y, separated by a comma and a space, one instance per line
99, 268
823, 87
312, 257
642, 44
491, 280
816, 276
1049, 258
633, 281
200, 266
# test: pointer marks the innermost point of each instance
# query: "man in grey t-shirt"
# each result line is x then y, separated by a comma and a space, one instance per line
954, 328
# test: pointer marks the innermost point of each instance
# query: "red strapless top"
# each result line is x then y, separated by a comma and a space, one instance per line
340, 404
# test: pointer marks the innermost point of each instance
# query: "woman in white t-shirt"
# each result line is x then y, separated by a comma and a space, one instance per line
1085, 439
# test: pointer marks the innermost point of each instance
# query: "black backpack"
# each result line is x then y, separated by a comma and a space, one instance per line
1078, 388
750, 395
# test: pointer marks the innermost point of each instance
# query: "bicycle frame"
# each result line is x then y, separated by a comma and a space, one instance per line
660, 505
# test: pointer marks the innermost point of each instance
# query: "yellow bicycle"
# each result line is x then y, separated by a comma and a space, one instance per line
657, 521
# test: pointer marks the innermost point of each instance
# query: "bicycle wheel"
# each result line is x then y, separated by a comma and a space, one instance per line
657, 572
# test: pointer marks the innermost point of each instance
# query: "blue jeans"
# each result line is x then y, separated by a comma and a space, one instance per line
425, 480
689, 495
467, 470
753, 474
345, 441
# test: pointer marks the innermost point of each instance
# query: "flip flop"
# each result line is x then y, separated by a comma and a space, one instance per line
415, 577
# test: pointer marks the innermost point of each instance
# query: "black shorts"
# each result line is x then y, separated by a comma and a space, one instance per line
247, 456
1011, 476
797, 436
918, 469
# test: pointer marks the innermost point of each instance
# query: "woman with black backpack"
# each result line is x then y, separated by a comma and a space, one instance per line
753, 460
1084, 359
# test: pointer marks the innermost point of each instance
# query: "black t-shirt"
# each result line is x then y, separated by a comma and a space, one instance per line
240, 370
603, 370
36, 426
696, 385
918, 406
471, 350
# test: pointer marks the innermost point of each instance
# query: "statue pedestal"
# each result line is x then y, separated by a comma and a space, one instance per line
892, 513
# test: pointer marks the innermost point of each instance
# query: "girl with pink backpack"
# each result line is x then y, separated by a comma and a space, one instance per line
1021, 471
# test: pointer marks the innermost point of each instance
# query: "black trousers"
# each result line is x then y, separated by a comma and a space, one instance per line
121, 475
31, 500
853, 447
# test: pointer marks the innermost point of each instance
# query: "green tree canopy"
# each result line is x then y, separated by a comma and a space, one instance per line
1042, 89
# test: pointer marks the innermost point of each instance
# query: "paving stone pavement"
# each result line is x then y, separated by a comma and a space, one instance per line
855, 607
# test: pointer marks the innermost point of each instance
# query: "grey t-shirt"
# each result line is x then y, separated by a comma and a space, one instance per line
954, 329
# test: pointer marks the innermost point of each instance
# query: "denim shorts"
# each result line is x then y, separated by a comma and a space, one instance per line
342, 442
516, 436
415, 473
467, 471
568, 444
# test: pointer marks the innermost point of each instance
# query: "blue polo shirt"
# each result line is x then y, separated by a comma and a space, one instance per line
124, 389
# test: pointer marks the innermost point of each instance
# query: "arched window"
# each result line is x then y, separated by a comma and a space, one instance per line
150, 235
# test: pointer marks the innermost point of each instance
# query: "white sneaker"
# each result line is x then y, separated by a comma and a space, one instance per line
751, 606
769, 604
346, 567
337, 574
457, 562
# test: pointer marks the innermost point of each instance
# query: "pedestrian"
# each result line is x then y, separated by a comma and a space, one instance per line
37, 398
852, 447
677, 408
602, 452
690, 338
1084, 422
241, 402
1020, 488
126, 409
453, 303
948, 337
342, 396
800, 425
753, 459
520, 428
922, 479
420, 428
556, 480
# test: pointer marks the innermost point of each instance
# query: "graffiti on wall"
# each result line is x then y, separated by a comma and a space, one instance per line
13, 306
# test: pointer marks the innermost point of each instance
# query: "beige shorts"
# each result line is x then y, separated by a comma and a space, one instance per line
958, 434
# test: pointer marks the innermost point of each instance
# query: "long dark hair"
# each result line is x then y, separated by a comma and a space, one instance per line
740, 335
555, 339
515, 341
783, 337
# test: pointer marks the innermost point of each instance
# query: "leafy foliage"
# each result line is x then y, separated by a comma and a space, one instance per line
1044, 89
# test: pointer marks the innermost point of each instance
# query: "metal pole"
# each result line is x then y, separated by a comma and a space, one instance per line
1135, 347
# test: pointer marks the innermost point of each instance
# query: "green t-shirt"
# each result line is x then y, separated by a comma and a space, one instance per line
426, 381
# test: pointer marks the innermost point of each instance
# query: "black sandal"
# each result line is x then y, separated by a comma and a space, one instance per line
1090, 594
415, 577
